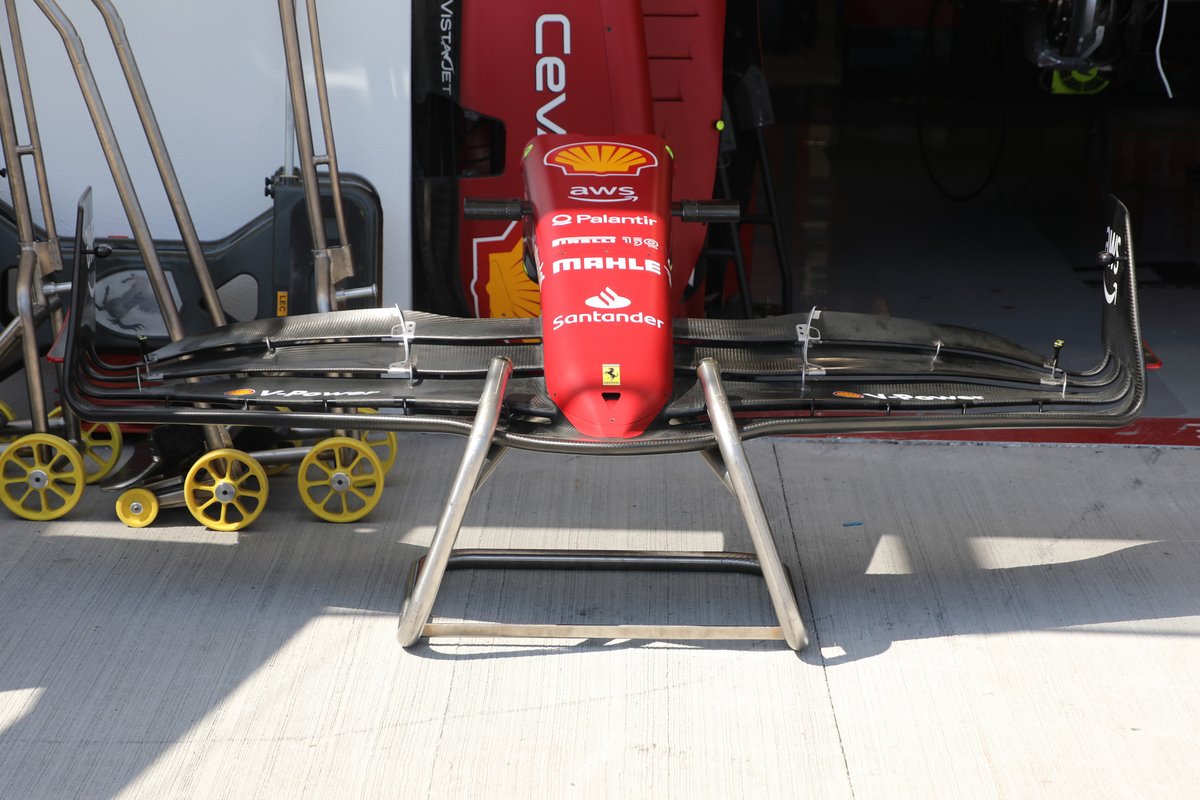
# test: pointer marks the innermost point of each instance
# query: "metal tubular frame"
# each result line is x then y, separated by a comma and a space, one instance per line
158, 148
38, 259
418, 605
116, 163
215, 436
479, 462
332, 264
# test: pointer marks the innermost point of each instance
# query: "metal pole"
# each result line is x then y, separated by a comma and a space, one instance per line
738, 468
162, 159
29, 297
308, 167
418, 605
314, 33
116, 164
35, 141
26, 310
214, 436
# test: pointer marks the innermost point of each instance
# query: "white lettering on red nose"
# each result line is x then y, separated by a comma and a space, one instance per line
583, 263
637, 317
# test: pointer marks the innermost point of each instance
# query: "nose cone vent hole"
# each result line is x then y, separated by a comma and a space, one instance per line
610, 397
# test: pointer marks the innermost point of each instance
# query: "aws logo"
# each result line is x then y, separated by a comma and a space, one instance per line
601, 158
604, 194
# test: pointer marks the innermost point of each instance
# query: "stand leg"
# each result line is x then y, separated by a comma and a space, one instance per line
419, 604
742, 482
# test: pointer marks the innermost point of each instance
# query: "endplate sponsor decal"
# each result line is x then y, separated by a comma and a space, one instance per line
1112, 246
246, 392
927, 398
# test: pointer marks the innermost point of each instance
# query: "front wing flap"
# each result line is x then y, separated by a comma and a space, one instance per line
824, 372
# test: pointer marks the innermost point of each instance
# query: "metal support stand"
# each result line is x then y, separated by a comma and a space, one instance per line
419, 603
215, 436
332, 265
479, 462
38, 259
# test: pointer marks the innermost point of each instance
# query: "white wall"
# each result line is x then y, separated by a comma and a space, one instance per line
215, 73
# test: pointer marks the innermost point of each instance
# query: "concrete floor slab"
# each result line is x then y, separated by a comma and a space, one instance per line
987, 621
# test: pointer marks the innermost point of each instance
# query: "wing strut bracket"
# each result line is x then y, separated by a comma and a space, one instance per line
807, 335
403, 332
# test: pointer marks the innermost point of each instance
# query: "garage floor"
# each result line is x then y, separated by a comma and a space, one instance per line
987, 621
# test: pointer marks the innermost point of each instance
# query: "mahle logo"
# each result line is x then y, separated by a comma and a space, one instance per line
601, 158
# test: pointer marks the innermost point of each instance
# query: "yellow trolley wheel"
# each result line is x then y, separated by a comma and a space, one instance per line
341, 479
7, 413
225, 490
384, 443
41, 477
101, 446
137, 508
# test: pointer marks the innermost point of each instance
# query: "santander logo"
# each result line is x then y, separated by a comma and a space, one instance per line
607, 299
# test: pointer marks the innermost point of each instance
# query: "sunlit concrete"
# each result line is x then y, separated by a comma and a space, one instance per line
987, 621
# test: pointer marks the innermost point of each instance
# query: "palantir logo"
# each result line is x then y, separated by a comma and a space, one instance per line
608, 299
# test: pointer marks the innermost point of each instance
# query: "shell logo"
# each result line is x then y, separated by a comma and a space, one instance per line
849, 395
239, 392
601, 158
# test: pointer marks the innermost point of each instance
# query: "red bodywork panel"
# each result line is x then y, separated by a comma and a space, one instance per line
601, 222
605, 67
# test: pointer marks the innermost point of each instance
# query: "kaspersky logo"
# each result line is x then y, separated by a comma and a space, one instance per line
608, 300
601, 158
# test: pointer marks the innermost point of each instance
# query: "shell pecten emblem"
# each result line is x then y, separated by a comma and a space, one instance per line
239, 392
601, 158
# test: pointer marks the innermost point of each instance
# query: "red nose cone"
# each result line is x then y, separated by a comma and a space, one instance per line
602, 211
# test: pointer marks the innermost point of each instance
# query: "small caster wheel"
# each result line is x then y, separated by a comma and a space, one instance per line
101, 446
41, 477
137, 508
225, 490
341, 479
